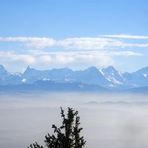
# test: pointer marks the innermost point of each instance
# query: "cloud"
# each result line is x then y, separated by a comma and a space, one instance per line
77, 43
73, 59
141, 45
31, 42
60, 59
73, 52
97, 43
79, 59
12, 56
125, 36
125, 53
89, 43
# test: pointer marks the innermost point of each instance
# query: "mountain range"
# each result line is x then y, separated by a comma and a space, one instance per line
90, 79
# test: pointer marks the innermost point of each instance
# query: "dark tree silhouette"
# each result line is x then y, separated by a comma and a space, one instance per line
65, 136
35, 145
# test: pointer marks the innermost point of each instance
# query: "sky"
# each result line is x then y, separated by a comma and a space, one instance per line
77, 34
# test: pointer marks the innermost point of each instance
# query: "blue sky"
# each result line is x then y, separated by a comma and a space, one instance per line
73, 33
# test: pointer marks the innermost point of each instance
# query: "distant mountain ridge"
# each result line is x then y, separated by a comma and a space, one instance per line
91, 78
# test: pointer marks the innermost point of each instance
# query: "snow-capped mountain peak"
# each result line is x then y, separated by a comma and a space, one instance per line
107, 77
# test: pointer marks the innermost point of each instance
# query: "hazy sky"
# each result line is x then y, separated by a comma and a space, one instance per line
73, 33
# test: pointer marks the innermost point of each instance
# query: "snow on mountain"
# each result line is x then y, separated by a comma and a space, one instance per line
138, 78
107, 77
32, 75
8, 78
112, 75
3, 72
90, 75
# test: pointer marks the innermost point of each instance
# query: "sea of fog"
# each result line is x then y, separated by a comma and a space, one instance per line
108, 120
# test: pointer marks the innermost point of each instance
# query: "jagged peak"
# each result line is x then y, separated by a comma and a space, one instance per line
2, 67
92, 68
110, 68
145, 69
28, 69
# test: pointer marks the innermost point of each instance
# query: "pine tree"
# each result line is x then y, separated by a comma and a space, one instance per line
67, 135
35, 145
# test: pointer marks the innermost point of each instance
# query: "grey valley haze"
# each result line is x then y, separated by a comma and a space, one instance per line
108, 120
